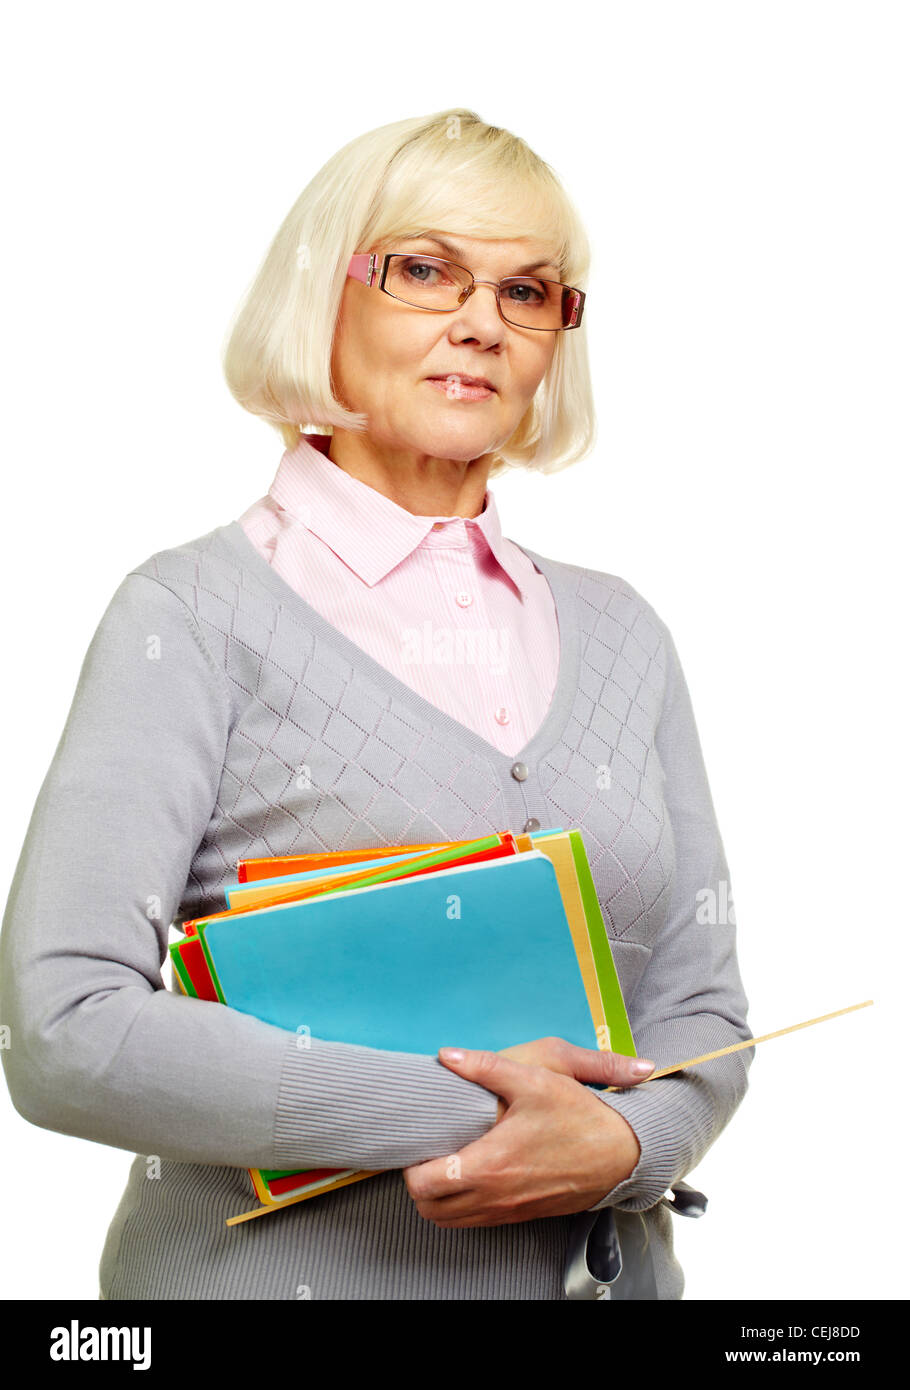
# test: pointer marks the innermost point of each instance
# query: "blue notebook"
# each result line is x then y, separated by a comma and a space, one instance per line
479, 956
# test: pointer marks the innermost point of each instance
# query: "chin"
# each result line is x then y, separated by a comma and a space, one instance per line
446, 440
460, 450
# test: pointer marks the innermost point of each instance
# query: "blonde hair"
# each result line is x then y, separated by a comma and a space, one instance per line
446, 172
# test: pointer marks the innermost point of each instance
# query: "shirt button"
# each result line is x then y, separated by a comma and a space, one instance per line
532, 824
464, 600
502, 715
519, 772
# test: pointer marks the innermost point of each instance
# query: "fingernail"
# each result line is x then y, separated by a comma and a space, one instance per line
453, 1054
641, 1068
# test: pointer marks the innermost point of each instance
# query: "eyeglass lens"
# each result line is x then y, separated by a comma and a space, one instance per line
430, 283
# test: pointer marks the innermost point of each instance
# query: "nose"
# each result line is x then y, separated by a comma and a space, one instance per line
482, 310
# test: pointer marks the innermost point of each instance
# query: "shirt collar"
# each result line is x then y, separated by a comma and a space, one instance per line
341, 510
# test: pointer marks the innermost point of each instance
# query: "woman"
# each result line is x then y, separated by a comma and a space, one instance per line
264, 690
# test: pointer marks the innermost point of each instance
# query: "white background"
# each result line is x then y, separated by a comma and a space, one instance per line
742, 171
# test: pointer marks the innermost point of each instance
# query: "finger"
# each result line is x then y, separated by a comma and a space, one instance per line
612, 1068
477, 1210
461, 1200
505, 1076
448, 1214
501, 1075
437, 1178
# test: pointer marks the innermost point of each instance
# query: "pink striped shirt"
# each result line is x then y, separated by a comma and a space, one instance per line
449, 606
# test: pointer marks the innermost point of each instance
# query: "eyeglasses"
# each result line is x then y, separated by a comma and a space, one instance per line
426, 282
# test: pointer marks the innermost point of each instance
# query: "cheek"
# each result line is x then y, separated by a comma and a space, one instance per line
535, 368
355, 365
549, 354
388, 350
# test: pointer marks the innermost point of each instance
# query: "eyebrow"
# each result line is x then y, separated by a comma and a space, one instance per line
454, 251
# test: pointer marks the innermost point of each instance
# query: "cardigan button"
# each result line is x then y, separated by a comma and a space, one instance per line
532, 824
519, 771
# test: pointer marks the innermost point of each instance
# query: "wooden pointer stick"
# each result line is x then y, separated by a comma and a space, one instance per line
750, 1042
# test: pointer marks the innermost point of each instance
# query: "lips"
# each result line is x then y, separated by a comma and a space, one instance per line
465, 380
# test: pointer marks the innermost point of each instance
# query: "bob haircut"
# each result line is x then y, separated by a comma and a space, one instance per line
448, 172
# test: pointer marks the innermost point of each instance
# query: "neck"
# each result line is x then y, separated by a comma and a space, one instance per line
420, 483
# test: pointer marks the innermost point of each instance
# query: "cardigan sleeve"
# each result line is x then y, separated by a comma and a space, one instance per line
97, 1046
690, 997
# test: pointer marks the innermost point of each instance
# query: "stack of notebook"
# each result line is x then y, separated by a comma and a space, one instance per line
473, 943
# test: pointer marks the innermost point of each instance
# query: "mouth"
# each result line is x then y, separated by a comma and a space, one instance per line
463, 388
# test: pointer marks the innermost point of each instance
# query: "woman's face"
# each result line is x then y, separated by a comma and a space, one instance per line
384, 353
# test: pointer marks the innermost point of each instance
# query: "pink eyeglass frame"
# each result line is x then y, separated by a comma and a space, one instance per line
369, 268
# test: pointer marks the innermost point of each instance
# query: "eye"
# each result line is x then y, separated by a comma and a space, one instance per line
422, 272
526, 292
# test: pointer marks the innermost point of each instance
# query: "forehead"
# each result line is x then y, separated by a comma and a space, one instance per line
534, 254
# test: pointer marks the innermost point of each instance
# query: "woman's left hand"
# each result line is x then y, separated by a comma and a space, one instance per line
557, 1149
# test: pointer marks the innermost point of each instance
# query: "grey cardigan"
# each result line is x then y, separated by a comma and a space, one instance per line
218, 716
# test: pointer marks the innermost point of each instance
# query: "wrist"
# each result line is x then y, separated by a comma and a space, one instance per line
629, 1146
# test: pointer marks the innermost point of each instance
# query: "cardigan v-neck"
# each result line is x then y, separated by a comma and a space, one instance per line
445, 602
557, 715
